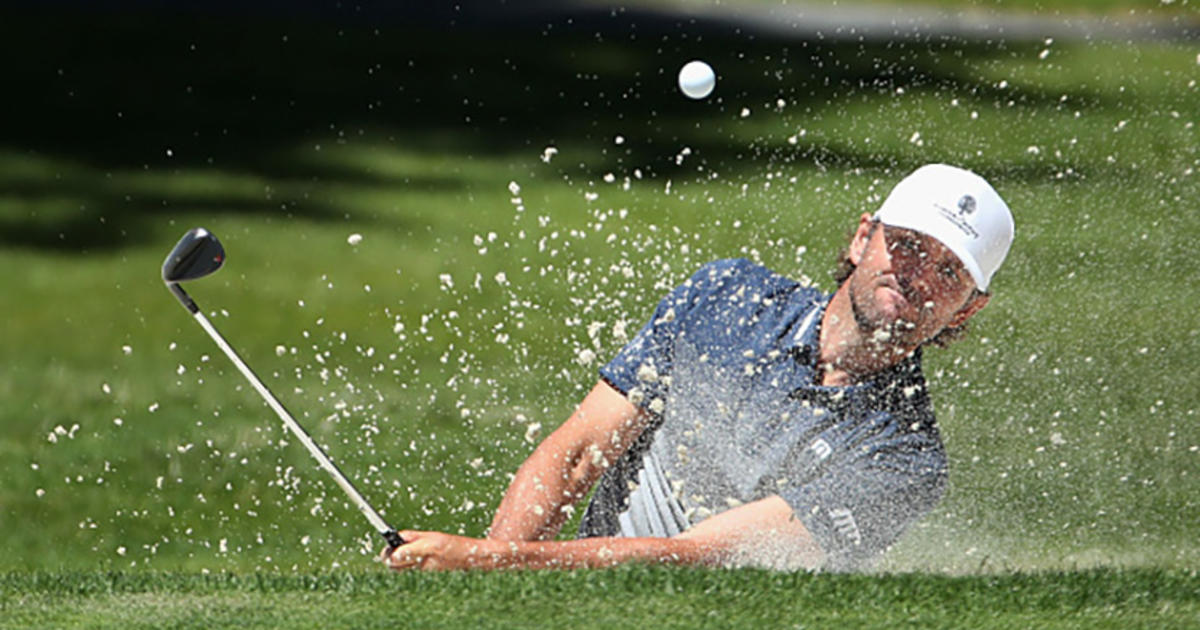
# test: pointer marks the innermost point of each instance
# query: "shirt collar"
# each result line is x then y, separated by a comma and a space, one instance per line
806, 336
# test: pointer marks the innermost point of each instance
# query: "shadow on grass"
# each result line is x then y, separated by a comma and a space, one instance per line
208, 92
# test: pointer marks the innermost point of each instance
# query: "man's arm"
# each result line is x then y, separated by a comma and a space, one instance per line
565, 465
764, 533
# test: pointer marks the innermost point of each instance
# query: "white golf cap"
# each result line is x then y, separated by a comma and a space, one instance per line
958, 208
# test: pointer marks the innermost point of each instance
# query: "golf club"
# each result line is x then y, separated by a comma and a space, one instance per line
199, 254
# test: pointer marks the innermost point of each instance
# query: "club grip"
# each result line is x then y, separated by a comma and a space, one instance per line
393, 540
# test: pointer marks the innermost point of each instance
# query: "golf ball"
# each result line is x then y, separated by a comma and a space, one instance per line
696, 79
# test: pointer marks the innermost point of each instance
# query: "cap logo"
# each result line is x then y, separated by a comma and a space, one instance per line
966, 205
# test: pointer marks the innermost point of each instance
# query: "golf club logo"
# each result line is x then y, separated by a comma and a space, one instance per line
966, 205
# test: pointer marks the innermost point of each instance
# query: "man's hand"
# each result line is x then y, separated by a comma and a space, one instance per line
435, 551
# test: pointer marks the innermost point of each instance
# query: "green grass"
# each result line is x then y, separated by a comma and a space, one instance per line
135, 458
622, 598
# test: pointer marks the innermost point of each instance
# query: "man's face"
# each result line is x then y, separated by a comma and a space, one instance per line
907, 286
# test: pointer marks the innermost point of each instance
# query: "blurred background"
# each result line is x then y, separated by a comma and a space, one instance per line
440, 220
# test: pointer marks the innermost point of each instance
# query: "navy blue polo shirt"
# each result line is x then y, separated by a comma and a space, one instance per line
727, 369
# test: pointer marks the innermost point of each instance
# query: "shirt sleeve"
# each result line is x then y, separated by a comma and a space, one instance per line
859, 508
641, 370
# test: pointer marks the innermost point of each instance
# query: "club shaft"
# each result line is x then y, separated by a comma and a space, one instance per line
376, 520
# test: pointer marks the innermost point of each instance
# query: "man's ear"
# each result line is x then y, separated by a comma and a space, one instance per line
973, 305
862, 236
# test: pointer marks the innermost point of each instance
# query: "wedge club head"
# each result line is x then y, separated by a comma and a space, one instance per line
197, 254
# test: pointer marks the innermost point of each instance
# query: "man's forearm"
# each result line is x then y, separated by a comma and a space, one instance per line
762, 533
592, 553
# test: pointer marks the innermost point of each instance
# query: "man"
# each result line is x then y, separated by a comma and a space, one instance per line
754, 421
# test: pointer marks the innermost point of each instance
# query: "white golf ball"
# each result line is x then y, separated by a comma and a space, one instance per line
696, 79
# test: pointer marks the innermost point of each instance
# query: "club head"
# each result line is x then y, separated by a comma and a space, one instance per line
197, 254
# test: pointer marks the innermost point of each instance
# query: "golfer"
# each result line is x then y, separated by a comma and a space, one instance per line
756, 421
